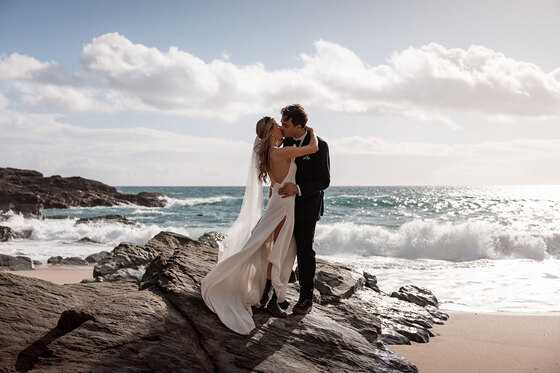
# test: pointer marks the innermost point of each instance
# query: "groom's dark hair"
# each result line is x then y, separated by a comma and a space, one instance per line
296, 113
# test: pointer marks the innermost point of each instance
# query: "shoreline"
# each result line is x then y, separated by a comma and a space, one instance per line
488, 342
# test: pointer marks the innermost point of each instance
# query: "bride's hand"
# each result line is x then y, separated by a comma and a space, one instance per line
311, 130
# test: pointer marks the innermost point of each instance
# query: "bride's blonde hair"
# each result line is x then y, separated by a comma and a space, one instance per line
264, 130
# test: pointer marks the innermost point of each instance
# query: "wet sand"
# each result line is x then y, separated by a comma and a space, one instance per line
475, 342
59, 275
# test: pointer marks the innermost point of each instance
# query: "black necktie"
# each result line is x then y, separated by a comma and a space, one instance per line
298, 142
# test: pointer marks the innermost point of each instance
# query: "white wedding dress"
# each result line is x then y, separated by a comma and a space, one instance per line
237, 282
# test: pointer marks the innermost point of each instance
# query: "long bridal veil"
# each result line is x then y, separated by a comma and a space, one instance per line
251, 211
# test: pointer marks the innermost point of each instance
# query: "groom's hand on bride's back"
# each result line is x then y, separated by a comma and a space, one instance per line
288, 190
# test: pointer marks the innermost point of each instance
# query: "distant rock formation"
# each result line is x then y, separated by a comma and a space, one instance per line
28, 192
106, 219
69, 261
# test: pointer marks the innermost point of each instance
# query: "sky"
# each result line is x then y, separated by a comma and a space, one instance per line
168, 93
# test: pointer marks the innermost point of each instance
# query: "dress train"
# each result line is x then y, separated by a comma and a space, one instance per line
237, 283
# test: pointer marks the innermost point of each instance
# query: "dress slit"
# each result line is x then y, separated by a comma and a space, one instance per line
237, 283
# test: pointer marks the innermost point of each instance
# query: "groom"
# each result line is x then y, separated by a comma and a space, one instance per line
312, 178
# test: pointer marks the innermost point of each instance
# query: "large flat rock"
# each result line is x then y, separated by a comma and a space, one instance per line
163, 325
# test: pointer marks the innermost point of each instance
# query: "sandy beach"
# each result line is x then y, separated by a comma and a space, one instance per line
59, 275
475, 342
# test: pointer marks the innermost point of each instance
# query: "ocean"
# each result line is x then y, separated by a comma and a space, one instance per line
479, 249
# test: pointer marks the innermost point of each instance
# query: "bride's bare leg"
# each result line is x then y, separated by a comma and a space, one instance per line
271, 305
276, 233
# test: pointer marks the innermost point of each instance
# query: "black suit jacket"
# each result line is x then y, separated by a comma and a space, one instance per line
312, 177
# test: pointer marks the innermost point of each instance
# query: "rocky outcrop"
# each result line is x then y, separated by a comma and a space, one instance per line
212, 239
417, 295
54, 259
15, 263
101, 327
28, 192
164, 325
106, 219
129, 260
336, 282
401, 321
95, 258
74, 261
86, 240
70, 261
6, 234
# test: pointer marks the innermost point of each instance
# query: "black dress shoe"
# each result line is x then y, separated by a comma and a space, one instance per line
303, 306
284, 305
273, 308
264, 299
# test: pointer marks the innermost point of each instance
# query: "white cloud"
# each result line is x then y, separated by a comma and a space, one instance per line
359, 145
426, 83
375, 161
49, 85
123, 156
3, 101
142, 156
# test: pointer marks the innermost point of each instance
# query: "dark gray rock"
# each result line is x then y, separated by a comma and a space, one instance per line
101, 327
95, 258
54, 260
86, 240
294, 344
74, 261
336, 282
371, 281
26, 233
212, 239
113, 326
417, 295
37, 262
28, 192
106, 219
6, 234
15, 263
129, 260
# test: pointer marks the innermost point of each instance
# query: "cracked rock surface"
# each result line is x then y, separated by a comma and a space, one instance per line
163, 325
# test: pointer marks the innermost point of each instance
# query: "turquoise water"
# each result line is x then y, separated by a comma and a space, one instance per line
499, 242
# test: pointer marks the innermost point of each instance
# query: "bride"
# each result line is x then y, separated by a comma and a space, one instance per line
256, 259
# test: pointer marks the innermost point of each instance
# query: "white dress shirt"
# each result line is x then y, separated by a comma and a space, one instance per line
300, 139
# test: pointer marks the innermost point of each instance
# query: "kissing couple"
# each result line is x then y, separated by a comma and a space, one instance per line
257, 257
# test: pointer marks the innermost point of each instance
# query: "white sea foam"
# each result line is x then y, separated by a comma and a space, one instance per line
435, 240
484, 285
52, 237
172, 202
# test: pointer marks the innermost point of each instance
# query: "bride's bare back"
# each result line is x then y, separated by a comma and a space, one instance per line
278, 168
280, 158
